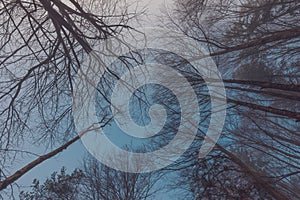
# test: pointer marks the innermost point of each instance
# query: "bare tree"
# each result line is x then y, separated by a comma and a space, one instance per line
256, 46
259, 147
43, 44
102, 182
95, 181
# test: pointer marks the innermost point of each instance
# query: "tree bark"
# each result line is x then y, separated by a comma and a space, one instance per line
254, 175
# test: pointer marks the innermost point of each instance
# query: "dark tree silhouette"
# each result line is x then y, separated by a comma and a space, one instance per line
43, 44
95, 181
256, 46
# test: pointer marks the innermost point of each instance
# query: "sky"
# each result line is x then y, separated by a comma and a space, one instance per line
72, 156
